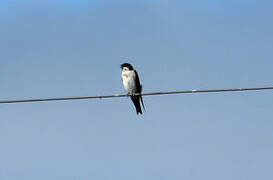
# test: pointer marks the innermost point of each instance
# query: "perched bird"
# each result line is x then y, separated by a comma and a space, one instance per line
132, 85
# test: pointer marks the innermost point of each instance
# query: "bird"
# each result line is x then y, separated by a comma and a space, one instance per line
131, 83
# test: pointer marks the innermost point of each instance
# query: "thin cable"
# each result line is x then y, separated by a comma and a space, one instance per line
143, 94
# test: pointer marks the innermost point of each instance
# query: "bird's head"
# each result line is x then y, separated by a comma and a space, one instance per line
126, 67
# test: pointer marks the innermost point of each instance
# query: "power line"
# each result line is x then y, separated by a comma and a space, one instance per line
125, 95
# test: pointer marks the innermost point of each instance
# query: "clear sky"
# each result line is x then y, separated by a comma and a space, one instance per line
59, 48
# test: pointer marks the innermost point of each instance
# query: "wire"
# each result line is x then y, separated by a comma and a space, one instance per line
143, 94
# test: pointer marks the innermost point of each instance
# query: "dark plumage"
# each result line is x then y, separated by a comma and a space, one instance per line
129, 66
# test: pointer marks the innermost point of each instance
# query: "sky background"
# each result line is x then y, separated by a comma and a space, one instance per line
59, 48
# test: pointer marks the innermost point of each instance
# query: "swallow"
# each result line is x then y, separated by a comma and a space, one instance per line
132, 85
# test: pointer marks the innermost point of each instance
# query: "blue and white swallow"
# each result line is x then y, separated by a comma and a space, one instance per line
132, 85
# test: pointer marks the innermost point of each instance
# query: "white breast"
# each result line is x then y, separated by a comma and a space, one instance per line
128, 79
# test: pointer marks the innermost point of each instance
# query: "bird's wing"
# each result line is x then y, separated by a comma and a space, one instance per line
139, 86
136, 78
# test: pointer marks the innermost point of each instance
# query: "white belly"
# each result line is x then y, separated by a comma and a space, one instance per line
129, 82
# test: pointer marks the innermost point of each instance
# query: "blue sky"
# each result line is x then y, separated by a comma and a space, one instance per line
74, 48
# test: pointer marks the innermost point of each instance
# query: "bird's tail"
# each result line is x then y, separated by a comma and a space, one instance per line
136, 102
141, 98
142, 103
